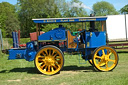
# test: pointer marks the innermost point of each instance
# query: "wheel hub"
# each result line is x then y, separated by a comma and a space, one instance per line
49, 61
106, 58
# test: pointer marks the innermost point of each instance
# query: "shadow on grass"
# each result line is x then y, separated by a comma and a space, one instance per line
76, 68
33, 70
30, 70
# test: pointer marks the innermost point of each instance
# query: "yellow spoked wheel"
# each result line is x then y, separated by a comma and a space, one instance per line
49, 60
90, 61
105, 58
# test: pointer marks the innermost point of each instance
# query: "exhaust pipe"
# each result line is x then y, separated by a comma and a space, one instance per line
92, 23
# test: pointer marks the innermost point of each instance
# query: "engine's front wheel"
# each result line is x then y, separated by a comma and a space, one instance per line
49, 60
105, 58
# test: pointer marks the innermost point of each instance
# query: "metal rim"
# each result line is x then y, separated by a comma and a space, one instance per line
49, 60
105, 58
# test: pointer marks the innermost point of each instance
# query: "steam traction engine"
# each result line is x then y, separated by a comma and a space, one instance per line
48, 54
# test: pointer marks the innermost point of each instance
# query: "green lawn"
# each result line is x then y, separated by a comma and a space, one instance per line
21, 72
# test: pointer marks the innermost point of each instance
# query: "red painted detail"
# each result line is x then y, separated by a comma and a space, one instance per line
19, 36
33, 36
22, 45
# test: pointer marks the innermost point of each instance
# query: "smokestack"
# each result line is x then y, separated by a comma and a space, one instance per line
93, 14
92, 23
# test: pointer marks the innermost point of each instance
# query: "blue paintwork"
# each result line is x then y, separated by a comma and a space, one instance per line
15, 40
16, 54
69, 20
92, 39
28, 53
55, 34
95, 39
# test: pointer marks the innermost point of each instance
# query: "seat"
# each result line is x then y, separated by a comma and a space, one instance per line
71, 43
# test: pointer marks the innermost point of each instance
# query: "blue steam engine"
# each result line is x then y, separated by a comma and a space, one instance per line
48, 54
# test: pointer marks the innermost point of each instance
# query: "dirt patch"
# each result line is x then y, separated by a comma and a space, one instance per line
17, 80
69, 72
6, 45
34, 78
63, 83
62, 73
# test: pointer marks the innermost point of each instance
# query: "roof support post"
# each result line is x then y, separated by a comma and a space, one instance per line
37, 33
102, 22
103, 25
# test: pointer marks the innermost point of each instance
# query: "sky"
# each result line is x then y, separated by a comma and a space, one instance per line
118, 4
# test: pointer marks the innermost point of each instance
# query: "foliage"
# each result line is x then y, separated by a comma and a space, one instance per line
73, 11
19, 16
104, 8
45, 9
8, 19
124, 9
35, 9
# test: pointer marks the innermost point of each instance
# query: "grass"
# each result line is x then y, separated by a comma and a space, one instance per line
22, 72
13, 72
8, 42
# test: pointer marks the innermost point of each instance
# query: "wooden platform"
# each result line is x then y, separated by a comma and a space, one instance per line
119, 45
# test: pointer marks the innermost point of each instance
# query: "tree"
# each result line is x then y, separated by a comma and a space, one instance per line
30, 9
104, 8
124, 9
8, 19
35, 9
74, 9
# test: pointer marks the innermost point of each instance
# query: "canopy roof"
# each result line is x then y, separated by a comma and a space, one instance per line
69, 20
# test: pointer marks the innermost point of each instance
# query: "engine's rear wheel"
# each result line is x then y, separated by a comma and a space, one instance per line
105, 58
49, 60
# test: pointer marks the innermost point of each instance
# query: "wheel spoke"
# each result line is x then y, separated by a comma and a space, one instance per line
100, 63
49, 68
55, 55
40, 60
111, 60
52, 69
42, 66
58, 60
46, 52
49, 52
46, 68
53, 52
58, 57
106, 65
42, 53
109, 53
98, 57
57, 64
103, 52
41, 57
